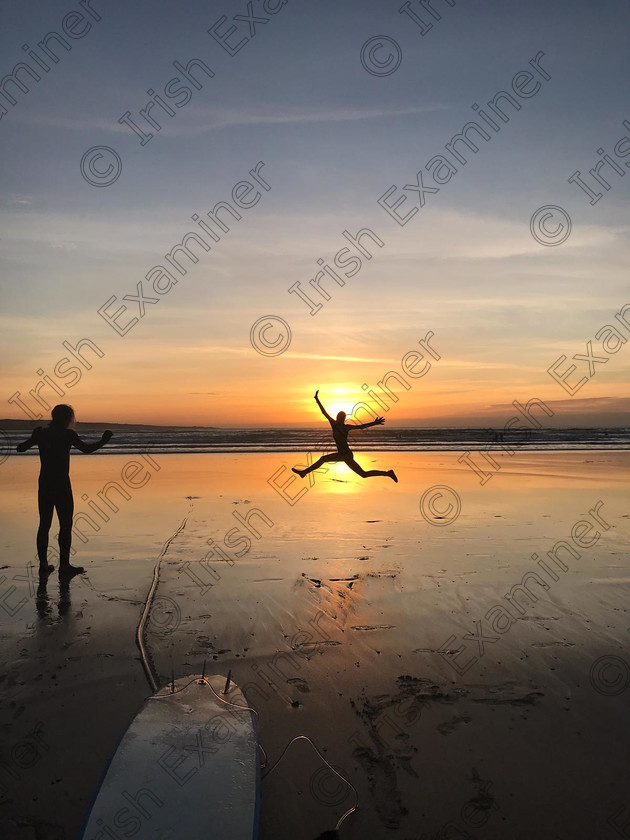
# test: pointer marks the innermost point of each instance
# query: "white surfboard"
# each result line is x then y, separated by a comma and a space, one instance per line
187, 767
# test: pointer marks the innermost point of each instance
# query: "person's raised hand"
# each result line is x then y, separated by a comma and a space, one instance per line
316, 393
379, 421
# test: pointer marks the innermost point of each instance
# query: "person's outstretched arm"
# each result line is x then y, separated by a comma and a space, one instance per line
322, 409
378, 422
26, 444
88, 448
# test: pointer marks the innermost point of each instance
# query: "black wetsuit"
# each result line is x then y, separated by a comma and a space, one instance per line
55, 490
340, 434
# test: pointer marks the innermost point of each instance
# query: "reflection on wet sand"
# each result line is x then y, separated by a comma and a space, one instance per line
333, 620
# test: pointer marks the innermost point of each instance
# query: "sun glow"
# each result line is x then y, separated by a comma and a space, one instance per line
334, 398
339, 478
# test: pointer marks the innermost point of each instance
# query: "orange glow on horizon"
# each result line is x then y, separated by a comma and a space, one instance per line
219, 397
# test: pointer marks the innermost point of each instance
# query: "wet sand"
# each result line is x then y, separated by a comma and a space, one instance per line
345, 620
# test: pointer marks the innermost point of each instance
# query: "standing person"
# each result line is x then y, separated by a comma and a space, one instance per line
55, 491
340, 431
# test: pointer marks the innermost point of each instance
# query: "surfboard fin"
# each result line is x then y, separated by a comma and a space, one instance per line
227, 682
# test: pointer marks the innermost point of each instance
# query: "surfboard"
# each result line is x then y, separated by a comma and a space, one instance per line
187, 767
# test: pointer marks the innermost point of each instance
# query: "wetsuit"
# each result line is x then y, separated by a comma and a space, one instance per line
340, 434
55, 490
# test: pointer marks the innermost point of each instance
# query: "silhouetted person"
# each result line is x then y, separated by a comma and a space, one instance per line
340, 432
55, 491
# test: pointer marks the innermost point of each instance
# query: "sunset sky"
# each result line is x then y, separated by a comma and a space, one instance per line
333, 138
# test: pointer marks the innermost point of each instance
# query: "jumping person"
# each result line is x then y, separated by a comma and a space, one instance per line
340, 431
55, 491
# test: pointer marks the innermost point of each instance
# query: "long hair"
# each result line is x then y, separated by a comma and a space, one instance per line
62, 415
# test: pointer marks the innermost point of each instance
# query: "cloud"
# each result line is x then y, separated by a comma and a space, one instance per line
214, 119
248, 350
204, 120
453, 236
19, 200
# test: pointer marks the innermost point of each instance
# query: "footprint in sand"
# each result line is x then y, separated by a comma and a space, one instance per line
300, 684
373, 627
451, 725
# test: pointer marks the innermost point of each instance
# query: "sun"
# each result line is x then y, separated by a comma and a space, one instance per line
334, 407
334, 398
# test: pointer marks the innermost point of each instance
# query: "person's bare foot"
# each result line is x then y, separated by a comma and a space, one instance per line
299, 472
393, 476
45, 569
66, 570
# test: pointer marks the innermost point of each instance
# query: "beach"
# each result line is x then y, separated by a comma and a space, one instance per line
379, 619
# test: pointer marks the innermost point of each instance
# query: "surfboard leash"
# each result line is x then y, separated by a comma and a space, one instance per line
153, 680
145, 655
300, 737
350, 810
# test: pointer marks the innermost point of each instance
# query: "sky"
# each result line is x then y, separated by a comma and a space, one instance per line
331, 104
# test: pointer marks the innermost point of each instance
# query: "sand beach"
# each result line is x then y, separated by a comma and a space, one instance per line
387, 630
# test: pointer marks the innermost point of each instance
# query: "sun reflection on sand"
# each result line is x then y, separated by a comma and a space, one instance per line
340, 479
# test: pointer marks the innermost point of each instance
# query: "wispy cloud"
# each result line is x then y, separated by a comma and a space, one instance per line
19, 200
214, 119
248, 350
203, 120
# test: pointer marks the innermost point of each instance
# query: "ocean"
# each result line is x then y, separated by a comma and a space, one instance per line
179, 440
